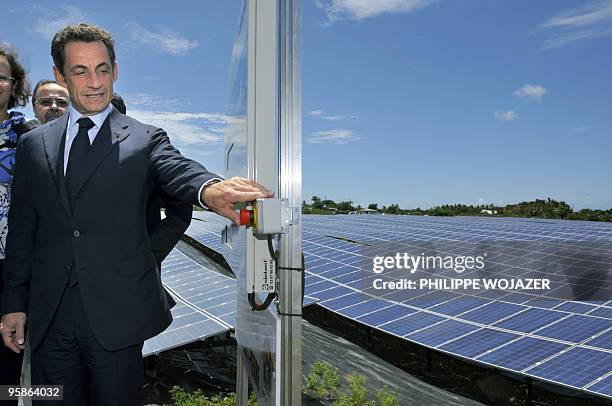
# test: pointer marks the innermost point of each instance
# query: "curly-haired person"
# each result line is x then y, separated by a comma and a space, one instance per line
14, 92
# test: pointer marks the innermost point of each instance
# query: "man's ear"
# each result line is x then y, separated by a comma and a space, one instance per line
115, 71
59, 78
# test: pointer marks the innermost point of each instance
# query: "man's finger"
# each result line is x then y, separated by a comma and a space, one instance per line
240, 183
248, 188
230, 214
13, 347
20, 334
250, 196
7, 338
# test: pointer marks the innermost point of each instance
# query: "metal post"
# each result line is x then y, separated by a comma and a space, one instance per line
242, 379
290, 187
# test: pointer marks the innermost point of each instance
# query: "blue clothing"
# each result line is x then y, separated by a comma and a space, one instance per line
8, 144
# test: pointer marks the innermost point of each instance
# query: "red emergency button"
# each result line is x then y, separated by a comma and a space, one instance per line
247, 217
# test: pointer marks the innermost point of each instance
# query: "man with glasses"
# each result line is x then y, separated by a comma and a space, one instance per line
50, 100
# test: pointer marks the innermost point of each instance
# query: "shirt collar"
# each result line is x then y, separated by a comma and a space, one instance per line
98, 119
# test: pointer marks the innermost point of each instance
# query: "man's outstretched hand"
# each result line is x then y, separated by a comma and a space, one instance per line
12, 329
222, 196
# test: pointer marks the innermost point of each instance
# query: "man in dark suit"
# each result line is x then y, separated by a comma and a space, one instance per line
79, 259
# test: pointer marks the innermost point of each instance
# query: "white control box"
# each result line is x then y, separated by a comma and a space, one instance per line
270, 216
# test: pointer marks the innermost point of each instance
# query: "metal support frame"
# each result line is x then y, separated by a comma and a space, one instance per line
273, 158
290, 187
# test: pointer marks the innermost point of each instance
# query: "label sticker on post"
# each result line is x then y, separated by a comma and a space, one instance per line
265, 276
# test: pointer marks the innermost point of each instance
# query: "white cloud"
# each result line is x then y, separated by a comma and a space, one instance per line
361, 9
530, 92
166, 40
149, 101
321, 114
50, 21
333, 137
508, 115
580, 129
593, 20
183, 128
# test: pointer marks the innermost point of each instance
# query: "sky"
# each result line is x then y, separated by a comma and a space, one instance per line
414, 102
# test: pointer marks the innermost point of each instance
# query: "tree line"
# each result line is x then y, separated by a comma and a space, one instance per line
539, 208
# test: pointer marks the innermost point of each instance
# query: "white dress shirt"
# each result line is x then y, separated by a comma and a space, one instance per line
98, 119
73, 128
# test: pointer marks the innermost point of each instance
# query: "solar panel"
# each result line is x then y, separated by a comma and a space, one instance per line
586, 366
344, 301
603, 341
514, 330
309, 300
601, 386
605, 312
440, 333
522, 353
384, 315
575, 328
205, 303
361, 309
409, 324
459, 305
188, 325
206, 229
478, 342
531, 320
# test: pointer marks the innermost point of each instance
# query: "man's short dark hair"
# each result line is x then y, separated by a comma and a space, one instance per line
118, 103
39, 84
22, 85
81, 32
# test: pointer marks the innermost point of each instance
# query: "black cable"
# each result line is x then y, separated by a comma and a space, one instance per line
271, 249
303, 277
271, 296
302, 269
260, 306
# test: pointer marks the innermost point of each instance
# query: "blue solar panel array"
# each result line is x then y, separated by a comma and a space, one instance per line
206, 229
205, 303
205, 289
568, 342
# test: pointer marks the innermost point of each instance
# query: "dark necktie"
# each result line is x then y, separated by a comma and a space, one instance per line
78, 155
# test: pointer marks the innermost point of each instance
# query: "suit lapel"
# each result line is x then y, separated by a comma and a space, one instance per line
113, 130
54, 140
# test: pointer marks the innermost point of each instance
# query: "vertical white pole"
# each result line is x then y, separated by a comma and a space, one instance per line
290, 179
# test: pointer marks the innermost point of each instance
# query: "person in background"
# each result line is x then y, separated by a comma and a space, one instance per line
49, 100
14, 92
118, 103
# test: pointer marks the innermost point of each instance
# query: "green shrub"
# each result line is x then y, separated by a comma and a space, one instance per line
180, 397
358, 392
343, 400
386, 398
322, 381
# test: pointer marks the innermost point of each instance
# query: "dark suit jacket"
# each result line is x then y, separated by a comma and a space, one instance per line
165, 234
103, 238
